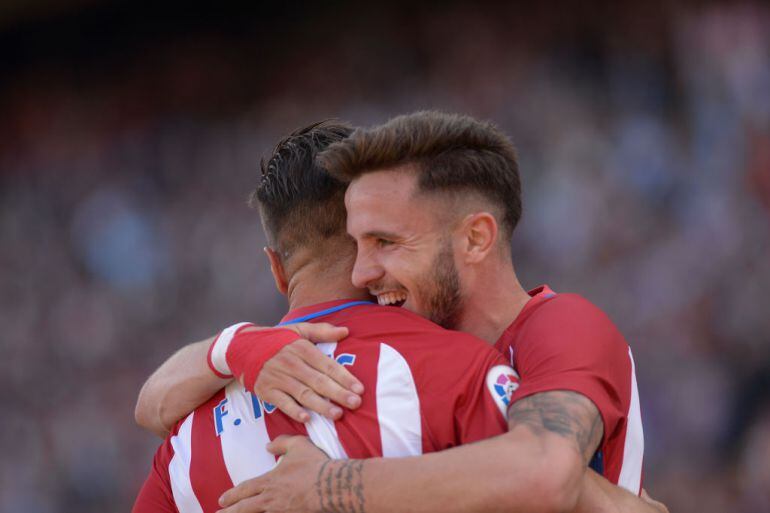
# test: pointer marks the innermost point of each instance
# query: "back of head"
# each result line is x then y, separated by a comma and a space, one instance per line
451, 153
301, 205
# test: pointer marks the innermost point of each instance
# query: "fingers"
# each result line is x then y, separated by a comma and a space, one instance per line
299, 445
339, 379
325, 332
289, 382
247, 505
308, 398
326, 377
244, 490
286, 404
343, 379
320, 332
300, 375
281, 444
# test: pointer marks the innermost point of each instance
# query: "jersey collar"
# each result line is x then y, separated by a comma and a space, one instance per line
307, 313
536, 297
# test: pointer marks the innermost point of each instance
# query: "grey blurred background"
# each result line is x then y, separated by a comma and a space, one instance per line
129, 140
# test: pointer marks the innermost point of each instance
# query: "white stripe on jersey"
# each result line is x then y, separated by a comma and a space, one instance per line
320, 429
179, 469
633, 450
398, 405
243, 445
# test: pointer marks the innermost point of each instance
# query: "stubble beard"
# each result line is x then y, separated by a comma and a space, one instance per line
446, 299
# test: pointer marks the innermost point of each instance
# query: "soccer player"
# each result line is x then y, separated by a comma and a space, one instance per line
426, 388
432, 203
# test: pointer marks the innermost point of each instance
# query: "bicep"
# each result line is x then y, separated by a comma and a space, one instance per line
570, 416
180, 385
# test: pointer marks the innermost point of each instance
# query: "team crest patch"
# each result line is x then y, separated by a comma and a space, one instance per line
502, 381
505, 386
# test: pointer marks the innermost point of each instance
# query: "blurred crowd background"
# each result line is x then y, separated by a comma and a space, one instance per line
130, 136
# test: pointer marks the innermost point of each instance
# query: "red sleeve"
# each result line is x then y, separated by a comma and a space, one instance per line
480, 412
569, 344
155, 495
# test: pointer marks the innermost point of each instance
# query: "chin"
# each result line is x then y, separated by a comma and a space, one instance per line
408, 306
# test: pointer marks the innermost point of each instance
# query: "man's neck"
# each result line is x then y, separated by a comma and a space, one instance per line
494, 303
311, 286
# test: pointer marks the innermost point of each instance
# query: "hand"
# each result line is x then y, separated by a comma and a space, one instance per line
300, 375
289, 487
652, 502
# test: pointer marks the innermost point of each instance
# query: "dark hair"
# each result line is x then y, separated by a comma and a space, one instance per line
451, 152
299, 202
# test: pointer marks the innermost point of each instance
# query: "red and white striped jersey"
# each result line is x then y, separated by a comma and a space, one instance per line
563, 342
426, 389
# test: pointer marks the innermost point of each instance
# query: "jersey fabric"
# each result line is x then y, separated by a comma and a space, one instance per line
426, 389
563, 342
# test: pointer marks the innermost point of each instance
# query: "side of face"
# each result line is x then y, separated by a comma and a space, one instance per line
405, 254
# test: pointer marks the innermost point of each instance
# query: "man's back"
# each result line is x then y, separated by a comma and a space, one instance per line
426, 389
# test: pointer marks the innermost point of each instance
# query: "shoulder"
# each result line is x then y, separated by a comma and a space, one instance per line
569, 314
418, 339
393, 323
570, 326
565, 306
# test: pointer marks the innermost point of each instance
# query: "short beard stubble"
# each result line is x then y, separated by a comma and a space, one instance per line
446, 299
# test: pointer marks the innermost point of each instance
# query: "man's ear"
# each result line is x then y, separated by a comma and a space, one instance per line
279, 274
479, 236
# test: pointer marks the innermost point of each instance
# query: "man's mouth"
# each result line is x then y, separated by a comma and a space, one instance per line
391, 298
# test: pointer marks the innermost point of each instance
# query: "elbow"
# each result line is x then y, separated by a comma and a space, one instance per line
148, 416
552, 485
559, 484
142, 414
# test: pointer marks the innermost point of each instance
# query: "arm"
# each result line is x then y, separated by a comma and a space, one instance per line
598, 492
179, 386
186, 381
538, 466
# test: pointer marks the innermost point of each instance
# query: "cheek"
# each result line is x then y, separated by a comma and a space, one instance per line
396, 268
389, 264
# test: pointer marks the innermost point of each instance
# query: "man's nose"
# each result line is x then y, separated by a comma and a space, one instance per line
365, 271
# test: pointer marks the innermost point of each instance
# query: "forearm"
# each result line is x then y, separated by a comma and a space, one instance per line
515, 472
179, 386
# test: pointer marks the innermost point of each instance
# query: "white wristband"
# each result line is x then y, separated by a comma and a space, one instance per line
217, 360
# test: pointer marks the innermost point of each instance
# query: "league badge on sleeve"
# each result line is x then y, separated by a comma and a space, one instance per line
502, 381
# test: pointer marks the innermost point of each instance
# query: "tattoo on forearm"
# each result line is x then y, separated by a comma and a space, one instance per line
339, 487
319, 485
568, 414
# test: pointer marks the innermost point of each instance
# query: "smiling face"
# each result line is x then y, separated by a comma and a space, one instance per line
405, 246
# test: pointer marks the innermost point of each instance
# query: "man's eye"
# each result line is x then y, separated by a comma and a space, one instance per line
381, 243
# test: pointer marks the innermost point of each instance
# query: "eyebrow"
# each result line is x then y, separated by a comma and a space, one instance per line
381, 235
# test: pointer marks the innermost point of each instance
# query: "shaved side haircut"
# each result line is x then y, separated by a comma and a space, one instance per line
451, 153
301, 205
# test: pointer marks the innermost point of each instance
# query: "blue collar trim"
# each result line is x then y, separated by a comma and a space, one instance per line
328, 311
